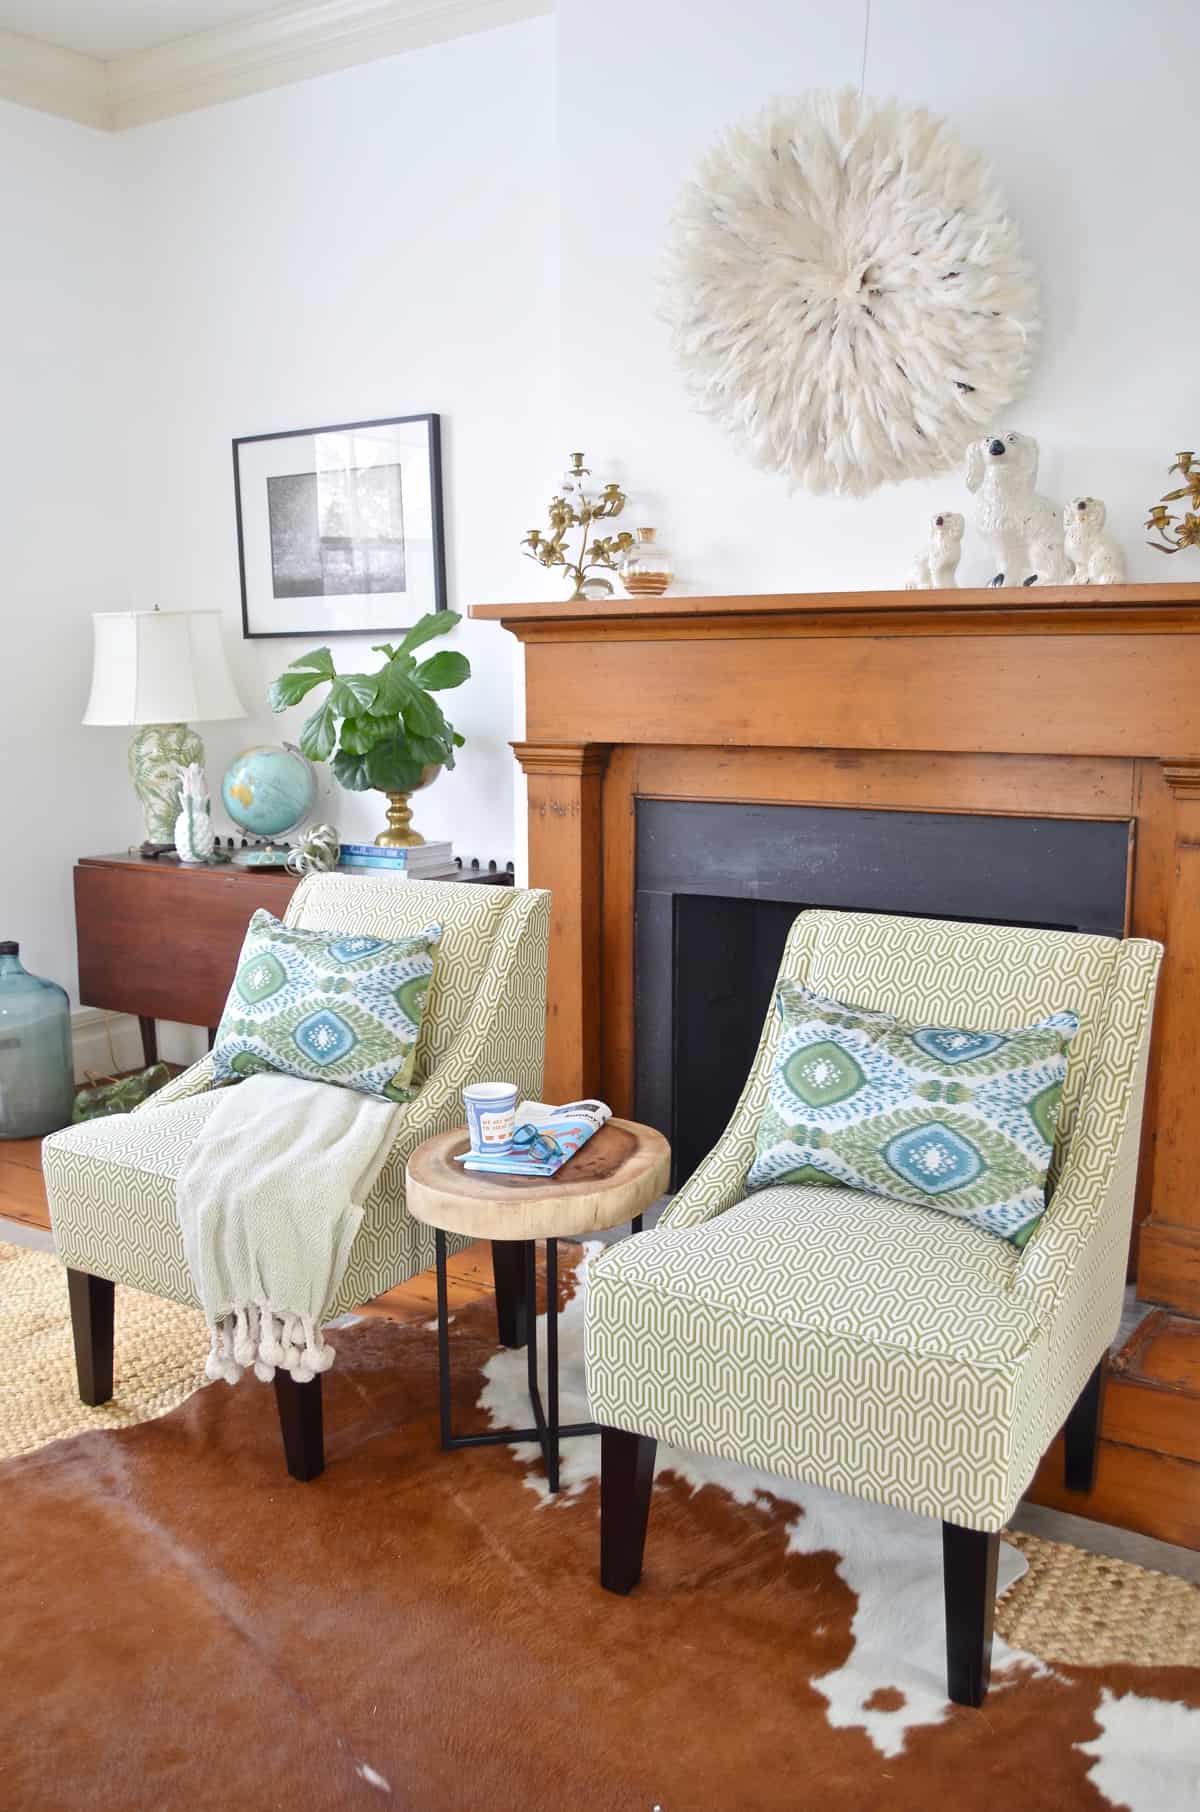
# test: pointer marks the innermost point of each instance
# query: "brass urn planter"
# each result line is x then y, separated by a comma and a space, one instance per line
400, 833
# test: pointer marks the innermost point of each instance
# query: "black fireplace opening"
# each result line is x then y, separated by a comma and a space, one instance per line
719, 886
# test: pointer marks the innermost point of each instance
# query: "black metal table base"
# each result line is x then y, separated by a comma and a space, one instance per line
546, 1430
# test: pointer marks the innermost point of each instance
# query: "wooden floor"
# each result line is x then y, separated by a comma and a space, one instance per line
1148, 1477
468, 1273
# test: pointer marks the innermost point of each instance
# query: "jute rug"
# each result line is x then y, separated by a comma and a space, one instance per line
158, 1352
186, 1627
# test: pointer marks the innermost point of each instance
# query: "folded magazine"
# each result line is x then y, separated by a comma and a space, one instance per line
543, 1140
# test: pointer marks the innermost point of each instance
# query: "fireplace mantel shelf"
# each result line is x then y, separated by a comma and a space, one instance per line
1069, 609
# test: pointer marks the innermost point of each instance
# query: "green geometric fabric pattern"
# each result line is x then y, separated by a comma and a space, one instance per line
342, 1008
952, 1118
111, 1183
861, 1343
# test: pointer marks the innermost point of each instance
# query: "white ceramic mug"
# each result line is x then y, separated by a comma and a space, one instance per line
491, 1113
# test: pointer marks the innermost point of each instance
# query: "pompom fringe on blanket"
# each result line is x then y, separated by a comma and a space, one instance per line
847, 292
267, 1340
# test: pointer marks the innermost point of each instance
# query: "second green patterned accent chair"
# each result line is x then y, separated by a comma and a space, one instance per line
111, 1182
870, 1345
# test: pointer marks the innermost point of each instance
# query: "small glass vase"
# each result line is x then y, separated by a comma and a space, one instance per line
37, 1077
646, 570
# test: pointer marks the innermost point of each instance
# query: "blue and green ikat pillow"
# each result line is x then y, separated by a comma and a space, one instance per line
935, 1116
326, 1006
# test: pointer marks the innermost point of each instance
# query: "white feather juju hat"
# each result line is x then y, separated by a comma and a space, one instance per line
847, 293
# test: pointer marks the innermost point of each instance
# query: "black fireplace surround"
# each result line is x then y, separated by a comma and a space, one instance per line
718, 886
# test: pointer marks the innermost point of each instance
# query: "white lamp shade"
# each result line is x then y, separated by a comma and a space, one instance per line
160, 667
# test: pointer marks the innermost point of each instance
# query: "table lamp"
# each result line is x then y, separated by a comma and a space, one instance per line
159, 669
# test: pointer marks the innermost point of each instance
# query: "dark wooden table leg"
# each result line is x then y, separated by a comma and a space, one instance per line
91, 1300
512, 1311
969, 1559
626, 1481
301, 1424
149, 1041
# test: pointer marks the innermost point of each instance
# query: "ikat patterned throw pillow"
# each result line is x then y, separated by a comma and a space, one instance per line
327, 1007
935, 1116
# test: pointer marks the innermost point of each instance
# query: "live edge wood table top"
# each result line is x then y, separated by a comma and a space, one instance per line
621, 1170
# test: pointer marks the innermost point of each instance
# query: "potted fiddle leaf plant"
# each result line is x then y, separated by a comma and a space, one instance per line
382, 731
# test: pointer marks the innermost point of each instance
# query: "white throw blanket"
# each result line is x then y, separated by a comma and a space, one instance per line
269, 1201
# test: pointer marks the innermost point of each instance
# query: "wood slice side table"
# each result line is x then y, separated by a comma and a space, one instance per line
619, 1172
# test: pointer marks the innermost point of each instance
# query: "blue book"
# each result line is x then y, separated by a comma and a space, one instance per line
421, 852
408, 868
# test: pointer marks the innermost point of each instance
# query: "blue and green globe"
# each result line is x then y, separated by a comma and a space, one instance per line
270, 790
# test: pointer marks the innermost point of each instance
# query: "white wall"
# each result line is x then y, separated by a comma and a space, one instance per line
63, 789
377, 242
1087, 114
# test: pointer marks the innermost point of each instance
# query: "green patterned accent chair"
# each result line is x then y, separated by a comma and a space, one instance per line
111, 1182
879, 1349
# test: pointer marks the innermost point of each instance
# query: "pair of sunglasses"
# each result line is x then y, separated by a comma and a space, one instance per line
539, 1144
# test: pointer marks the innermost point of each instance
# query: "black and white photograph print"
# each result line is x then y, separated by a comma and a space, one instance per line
340, 529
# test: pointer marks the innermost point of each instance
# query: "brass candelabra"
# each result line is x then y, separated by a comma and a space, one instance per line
580, 504
1184, 530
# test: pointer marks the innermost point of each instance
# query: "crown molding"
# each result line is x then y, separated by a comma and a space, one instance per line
288, 44
62, 82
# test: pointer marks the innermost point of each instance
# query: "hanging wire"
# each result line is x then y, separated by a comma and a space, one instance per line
862, 78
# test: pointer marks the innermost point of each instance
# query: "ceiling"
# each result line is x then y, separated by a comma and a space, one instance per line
114, 28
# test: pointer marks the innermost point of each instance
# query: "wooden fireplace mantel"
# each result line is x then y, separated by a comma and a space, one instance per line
1064, 701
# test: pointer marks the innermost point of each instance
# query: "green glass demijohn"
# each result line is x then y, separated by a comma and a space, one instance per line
37, 1080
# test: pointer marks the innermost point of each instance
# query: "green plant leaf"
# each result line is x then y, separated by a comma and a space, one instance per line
423, 715
290, 688
391, 768
428, 750
358, 734
353, 692
453, 741
394, 691
384, 648
319, 733
319, 658
434, 623
443, 670
350, 771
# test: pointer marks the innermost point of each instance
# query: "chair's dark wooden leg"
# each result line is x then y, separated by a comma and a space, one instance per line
301, 1424
969, 1558
512, 1310
1081, 1433
149, 1041
626, 1481
92, 1326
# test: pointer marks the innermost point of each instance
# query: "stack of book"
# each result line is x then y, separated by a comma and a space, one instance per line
423, 862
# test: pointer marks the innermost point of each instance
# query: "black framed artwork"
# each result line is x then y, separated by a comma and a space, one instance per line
340, 529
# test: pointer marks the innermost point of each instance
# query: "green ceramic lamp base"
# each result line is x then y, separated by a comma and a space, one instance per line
156, 754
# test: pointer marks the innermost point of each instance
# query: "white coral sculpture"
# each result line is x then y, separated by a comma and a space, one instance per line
847, 293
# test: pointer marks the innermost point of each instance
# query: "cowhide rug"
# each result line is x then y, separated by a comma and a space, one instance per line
185, 1627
